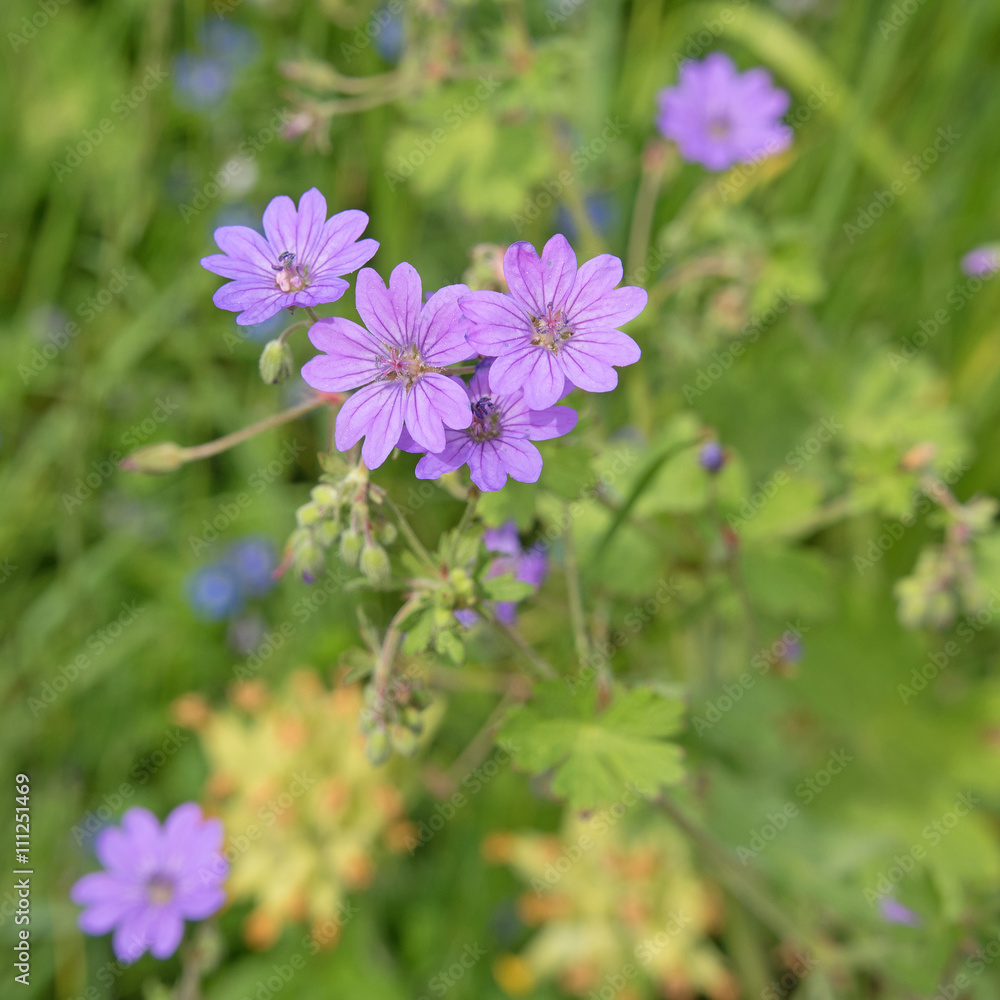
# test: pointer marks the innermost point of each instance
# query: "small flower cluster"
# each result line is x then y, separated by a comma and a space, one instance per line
346, 507
616, 910
554, 330
305, 809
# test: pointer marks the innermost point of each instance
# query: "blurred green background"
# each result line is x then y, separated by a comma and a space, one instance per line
131, 129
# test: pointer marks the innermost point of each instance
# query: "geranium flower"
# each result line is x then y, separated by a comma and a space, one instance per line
155, 878
398, 360
558, 323
719, 117
497, 443
300, 263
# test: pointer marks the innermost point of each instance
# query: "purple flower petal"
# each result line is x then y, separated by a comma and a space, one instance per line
534, 370
349, 360
538, 281
390, 313
436, 401
374, 412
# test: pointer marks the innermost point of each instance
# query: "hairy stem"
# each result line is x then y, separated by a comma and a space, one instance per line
238, 437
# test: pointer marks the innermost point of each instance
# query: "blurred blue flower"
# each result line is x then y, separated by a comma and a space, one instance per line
391, 39
601, 210
235, 44
253, 560
712, 457
200, 81
214, 592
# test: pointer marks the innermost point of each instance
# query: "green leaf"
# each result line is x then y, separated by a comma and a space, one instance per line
418, 635
449, 644
596, 755
506, 588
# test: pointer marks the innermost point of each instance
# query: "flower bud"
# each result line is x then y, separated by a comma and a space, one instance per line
156, 458
350, 546
387, 533
325, 495
276, 362
326, 532
374, 563
309, 561
404, 741
308, 514
377, 746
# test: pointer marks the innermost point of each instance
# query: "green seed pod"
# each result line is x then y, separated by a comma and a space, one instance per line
276, 362
308, 514
387, 533
325, 495
404, 742
378, 747
327, 532
155, 458
375, 565
350, 546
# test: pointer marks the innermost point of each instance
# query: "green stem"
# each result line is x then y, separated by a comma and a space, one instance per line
467, 515
576, 612
544, 668
390, 647
415, 544
288, 329
238, 437
654, 166
313, 314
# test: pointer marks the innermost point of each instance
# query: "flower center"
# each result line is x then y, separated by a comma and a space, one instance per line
720, 127
159, 890
485, 420
400, 365
290, 277
550, 329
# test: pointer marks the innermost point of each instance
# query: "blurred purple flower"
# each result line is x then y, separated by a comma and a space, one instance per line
390, 40
300, 262
981, 262
200, 81
395, 364
531, 566
720, 117
497, 443
155, 878
558, 323
712, 457
894, 912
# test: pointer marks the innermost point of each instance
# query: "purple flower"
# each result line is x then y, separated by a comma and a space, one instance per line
497, 443
399, 360
531, 566
155, 879
894, 912
557, 324
981, 262
712, 457
298, 264
719, 117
